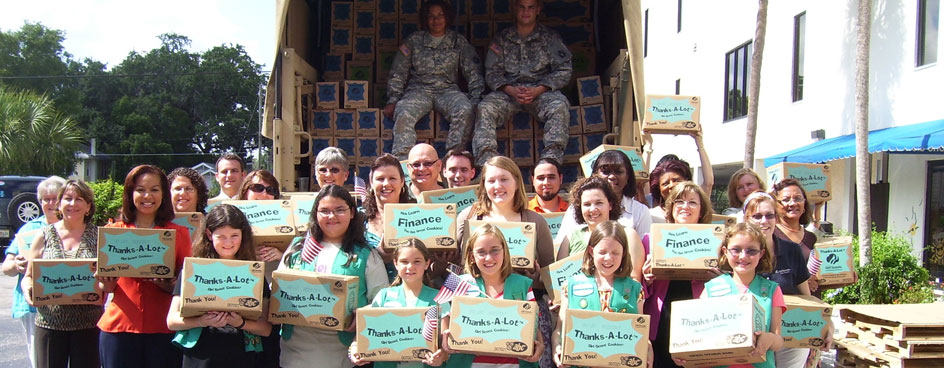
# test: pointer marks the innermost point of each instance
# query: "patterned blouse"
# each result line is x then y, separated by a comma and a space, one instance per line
69, 317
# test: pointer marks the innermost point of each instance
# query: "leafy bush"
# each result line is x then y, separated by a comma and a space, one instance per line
893, 277
107, 200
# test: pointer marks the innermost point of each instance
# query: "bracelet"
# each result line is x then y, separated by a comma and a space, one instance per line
241, 325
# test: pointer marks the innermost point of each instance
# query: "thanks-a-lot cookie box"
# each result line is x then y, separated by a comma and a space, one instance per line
221, 285
605, 339
312, 299
685, 251
716, 331
65, 282
837, 261
395, 334
520, 237
556, 273
815, 179
145, 253
805, 323
272, 221
499, 327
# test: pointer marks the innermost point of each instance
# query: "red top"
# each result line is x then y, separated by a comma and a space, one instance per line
127, 311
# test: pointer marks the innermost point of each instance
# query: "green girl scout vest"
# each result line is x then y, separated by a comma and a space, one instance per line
761, 288
516, 288
582, 293
394, 297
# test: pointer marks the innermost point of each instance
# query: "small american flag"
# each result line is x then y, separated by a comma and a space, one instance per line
360, 188
454, 268
310, 249
813, 264
451, 287
430, 323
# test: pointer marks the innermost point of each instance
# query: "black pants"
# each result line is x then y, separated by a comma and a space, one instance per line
123, 349
76, 349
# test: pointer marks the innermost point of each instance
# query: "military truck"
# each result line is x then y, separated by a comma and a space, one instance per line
331, 42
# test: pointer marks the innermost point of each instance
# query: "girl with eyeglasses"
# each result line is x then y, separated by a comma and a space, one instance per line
488, 269
221, 339
686, 203
603, 283
410, 289
334, 244
742, 256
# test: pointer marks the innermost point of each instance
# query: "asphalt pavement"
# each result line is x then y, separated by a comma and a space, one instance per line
12, 338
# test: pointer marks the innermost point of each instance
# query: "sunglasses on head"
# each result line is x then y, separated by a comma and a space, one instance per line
259, 188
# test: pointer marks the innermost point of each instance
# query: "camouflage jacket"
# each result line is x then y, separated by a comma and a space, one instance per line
419, 65
541, 58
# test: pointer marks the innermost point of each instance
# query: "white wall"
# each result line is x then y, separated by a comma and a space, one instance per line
907, 177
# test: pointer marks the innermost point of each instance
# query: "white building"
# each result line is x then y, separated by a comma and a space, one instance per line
695, 47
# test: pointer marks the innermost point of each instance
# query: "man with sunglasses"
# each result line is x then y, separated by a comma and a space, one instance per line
230, 172
424, 165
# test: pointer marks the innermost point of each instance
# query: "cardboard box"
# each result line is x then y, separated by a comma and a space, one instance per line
301, 211
634, 154
521, 238
565, 11
333, 68
557, 273
442, 128
385, 56
410, 10
344, 124
327, 95
393, 334
272, 221
554, 220
594, 118
191, 221
590, 90
388, 33
604, 339
342, 40
388, 9
365, 4
574, 34
685, 251
576, 145
570, 173
364, 47
348, 144
322, 121
838, 260
221, 285
502, 133
480, 32
462, 197
342, 13
480, 9
584, 61
146, 253
433, 224
497, 327
368, 123
805, 323
723, 220
424, 126
212, 202
355, 94
386, 131
366, 150
365, 21
576, 121
716, 331
502, 146
521, 125
522, 151
815, 178
380, 96
312, 299
671, 114
501, 9
65, 282
360, 70
407, 28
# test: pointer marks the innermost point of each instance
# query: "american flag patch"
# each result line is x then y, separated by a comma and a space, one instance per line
405, 50
495, 48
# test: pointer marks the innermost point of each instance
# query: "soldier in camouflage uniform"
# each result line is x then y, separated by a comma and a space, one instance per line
526, 66
426, 68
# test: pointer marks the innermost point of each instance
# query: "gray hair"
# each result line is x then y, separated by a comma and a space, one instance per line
332, 155
50, 185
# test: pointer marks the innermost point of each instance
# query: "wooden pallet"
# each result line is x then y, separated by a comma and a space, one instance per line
893, 336
855, 353
901, 321
904, 349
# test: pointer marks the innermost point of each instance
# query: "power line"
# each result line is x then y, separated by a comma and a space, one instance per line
121, 75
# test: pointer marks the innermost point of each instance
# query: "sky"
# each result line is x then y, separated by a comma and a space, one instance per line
107, 30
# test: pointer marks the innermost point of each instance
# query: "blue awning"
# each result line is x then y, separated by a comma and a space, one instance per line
923, 137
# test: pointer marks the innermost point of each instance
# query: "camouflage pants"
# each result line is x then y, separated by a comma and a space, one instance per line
451, 104
550, 108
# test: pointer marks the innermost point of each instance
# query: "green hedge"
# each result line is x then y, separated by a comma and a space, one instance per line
893, 277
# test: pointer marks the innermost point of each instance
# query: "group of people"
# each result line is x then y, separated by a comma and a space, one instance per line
525, 67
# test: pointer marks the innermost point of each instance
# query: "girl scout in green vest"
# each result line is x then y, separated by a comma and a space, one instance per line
221, 339
489, 272
604, 283
335, 245
743, 254
408, 290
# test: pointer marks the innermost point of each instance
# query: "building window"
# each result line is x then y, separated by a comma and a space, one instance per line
645, 34
678, 86
679, 28
799, 42
928, 21
736, 71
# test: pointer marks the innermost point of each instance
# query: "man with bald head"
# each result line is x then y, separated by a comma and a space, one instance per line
424, 165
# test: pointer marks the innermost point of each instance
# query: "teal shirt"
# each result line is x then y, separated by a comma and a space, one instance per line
578, 240
19, 307
761, 288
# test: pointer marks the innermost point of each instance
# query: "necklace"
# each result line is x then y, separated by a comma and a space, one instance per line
785, 228
795, 235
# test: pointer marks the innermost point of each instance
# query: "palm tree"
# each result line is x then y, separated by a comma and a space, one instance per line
753, 89
34, 139
863, 160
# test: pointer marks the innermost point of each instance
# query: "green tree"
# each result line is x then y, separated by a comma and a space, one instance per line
34, 138
107, 200
35, 50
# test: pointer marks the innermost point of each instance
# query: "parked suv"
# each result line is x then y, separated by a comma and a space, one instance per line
18, 204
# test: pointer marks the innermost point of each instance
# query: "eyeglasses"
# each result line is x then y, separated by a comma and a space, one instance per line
750, 252
796, 200
259, 188
689, 204
325, 170
494, 252
340, 211
421, 164
183, 190
762, 216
